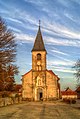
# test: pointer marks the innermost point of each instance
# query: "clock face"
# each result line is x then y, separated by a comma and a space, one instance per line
38, 62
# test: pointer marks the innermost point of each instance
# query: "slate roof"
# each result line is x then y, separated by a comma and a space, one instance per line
39, 44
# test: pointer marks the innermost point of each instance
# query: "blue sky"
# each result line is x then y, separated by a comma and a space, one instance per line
60, 26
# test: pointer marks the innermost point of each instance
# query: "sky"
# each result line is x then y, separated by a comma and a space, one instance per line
60, 27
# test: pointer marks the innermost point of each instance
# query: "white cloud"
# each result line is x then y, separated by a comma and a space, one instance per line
70, 34
22, 15
64, 70
14, 29
70, 38
27, 17
61, 66
59, 52
14, 20
57, 29
70, 17
24, 37
60, 63
63, 42
60, 30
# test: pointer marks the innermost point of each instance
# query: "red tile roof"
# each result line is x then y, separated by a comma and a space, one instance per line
68, 91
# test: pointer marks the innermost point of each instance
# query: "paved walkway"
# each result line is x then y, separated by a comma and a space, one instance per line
40, 110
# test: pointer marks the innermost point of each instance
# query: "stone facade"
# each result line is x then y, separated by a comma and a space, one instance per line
40, 83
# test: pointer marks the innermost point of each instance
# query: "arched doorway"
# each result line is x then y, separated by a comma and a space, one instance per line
39, 94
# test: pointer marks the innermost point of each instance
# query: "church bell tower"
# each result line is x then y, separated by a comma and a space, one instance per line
39, 67
39, 53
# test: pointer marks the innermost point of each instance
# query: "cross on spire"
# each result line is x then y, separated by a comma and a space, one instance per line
39, 22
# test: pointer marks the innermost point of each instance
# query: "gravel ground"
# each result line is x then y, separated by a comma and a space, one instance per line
41, 110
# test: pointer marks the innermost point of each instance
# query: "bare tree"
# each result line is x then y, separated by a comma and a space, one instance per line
77, 68
7, 56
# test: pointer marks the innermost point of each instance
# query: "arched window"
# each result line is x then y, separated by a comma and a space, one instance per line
39, 68
38, 56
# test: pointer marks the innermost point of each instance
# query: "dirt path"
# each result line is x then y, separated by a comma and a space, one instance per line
39, 110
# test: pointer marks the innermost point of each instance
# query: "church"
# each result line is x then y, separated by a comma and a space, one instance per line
40, 83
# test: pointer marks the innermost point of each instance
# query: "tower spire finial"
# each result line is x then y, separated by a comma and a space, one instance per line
39, 22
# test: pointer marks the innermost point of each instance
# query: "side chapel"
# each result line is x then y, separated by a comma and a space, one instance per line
40, 83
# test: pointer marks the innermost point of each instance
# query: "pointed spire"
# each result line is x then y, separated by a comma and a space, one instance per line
39, 23
39, 44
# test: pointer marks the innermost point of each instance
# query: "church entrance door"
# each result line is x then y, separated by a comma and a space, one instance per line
40, 94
